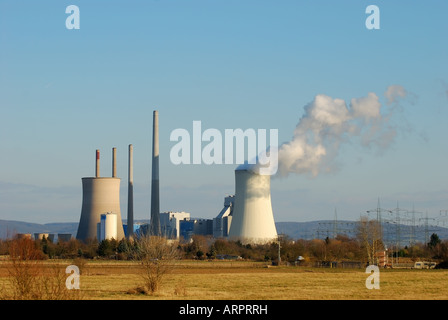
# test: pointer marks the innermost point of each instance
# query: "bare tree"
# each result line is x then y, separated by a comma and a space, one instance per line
30, 279
24, 267
370, 236
158, 256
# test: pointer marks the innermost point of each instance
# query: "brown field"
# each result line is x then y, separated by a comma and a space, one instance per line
242, 280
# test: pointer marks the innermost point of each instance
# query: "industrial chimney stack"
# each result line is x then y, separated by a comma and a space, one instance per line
154, 227
114, 162
130, 221
97, 166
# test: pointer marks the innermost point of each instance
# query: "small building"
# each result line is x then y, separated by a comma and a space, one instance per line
51, 237
41, 236
381, 258
64, 237
24, 235
170, 223
137, 228
186, 229
191, 227
203, 227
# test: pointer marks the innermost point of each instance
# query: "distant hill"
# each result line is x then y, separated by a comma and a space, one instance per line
294, 230
9, 228
298, 230
392, 233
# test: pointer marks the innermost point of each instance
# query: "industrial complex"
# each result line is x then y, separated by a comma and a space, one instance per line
246, 216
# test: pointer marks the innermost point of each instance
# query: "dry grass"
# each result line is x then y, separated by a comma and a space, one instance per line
202, 280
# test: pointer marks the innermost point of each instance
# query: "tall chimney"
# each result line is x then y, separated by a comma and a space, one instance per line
154, 227
97, 166
130, 221
114, 162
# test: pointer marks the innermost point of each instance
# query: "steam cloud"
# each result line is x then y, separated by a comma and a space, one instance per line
328, 123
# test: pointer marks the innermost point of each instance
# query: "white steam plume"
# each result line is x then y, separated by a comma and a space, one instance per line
393, 92
327, 123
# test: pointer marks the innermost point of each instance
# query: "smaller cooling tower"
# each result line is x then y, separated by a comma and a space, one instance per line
99, 195
253, 220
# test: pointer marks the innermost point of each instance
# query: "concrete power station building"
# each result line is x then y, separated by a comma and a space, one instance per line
252, 218
222, 222
100, 195
170, 223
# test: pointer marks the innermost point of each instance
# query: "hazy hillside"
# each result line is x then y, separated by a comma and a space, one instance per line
392, 233
294, 230
9, 228
298, 230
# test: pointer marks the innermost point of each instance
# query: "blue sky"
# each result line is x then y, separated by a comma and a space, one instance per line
230, 64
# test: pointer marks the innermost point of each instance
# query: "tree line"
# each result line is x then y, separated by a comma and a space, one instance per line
340, 248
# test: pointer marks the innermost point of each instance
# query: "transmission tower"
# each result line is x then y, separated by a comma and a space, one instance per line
426, 219
442, 219
331, 229
412, 238
379, 212
400, 215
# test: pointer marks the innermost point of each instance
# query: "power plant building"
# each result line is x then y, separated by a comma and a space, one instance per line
41, 236
222, 222
170, 223
191, 227
107, 228
64, 237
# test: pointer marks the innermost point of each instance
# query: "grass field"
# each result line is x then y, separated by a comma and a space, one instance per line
241, 280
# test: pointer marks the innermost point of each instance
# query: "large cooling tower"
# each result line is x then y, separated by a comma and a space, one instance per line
253, 220
99, 195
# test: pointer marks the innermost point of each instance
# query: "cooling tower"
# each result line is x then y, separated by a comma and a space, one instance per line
99, 195
253, 220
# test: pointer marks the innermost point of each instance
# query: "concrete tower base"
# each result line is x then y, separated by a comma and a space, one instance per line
99, 196
253, 220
